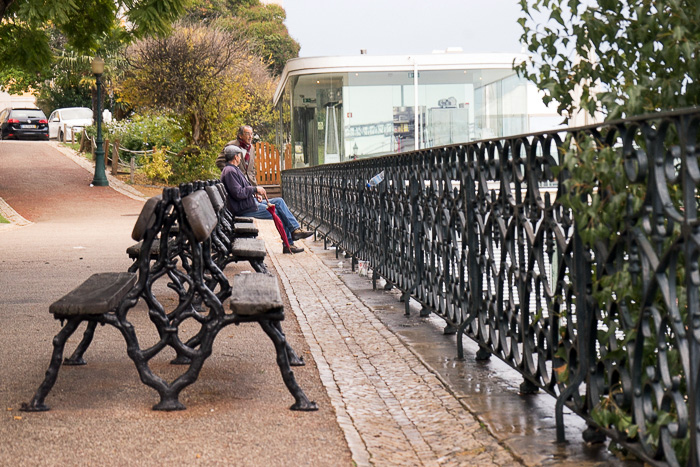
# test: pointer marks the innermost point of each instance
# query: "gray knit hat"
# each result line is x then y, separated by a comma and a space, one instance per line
230, 151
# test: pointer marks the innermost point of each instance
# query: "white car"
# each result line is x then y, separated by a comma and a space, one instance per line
64, 122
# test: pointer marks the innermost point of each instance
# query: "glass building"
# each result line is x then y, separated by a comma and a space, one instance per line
334, 109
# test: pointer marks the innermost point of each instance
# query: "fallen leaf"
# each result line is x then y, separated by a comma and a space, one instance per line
18, 417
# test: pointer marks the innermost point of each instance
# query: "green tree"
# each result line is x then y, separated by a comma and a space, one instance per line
262, 25
619, 57
190, 73
25, 27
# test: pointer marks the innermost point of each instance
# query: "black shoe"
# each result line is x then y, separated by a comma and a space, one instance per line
299, 234
292, 249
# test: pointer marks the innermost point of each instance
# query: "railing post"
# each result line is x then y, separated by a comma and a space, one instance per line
473, 271
115, 158
105, 149
417, 230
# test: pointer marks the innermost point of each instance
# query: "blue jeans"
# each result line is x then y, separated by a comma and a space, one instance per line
288, 220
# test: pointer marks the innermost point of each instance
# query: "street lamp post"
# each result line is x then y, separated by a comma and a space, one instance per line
100, 179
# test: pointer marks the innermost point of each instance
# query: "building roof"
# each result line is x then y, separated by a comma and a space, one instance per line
378, 63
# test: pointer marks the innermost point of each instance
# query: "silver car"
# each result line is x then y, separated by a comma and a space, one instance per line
63, 123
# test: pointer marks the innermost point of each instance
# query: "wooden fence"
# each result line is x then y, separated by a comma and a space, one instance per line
267, 164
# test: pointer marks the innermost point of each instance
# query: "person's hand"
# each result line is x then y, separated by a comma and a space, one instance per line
260, 191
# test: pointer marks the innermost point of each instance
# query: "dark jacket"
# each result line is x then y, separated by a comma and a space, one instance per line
248, 168
240, 197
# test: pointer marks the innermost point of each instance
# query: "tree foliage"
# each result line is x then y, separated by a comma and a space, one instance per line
26, 44
620, 57
190, 73
262, 25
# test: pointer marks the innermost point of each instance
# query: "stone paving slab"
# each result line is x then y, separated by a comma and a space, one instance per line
394, 411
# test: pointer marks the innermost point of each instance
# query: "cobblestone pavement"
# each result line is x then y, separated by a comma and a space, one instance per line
394, 411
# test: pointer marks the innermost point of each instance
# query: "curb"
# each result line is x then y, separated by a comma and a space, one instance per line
88, 165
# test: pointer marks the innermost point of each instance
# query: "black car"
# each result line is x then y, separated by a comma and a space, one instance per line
23, 123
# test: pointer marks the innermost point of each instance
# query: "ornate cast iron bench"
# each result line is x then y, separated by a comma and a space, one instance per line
107, 298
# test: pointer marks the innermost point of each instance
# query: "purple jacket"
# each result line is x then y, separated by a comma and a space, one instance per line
240, 197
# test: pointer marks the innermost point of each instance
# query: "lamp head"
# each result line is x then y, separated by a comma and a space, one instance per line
98, 65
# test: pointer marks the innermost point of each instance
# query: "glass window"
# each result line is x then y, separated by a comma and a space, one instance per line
343, 116
317, 119
379, 113
82, 113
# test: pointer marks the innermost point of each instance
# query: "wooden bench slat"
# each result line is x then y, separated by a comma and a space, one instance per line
146, 218
245, 228
217, 200
253, 248
99, 294
255, 294
134, 251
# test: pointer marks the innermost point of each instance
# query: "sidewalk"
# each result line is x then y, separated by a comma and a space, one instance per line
393, 410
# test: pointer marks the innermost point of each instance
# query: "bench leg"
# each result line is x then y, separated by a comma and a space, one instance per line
59, 342
294, 359
77, 357
301, 401
193, 342
259, 266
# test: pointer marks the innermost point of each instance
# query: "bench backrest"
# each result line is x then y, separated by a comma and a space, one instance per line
215, 197
222, 190
146, 218
200, 214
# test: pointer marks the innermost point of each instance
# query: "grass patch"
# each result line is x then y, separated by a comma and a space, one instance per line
74, 147
3, 220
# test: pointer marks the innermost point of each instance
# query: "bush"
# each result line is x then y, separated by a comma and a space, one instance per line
167, 159
157, 167
146, 132
193, 164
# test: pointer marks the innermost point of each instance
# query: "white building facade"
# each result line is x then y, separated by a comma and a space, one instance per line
17, 100
335, 109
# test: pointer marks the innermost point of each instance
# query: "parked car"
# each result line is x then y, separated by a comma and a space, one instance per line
64, 122
23, 123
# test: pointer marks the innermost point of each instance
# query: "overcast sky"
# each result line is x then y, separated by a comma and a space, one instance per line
398, 27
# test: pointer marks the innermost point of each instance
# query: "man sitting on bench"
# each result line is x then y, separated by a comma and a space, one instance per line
245, 199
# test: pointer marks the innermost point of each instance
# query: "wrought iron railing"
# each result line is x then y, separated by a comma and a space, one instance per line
482, 235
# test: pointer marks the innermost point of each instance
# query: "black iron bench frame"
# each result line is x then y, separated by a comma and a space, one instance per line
201, 286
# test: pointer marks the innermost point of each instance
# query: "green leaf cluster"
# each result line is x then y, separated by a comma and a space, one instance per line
146, 132
261, 25
607, 208
622, 58
28, 43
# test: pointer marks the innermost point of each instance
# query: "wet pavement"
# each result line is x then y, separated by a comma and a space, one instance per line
422, 401
390, 388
